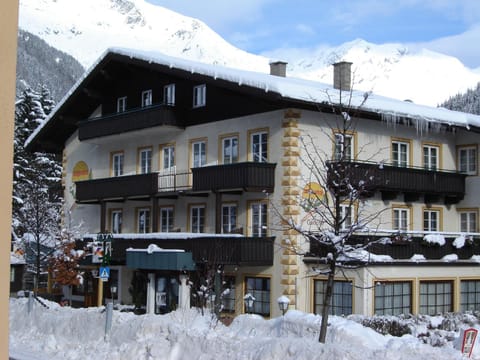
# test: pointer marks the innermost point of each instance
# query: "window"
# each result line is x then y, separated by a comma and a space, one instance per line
116, 221
145, 160
435, 297
469, 295
199, 95
168, 154
341, 298
230, 150
343, 147
259, 288
400, 153
146, 98
199, 153
401, 219
259, 146
117, 164
468, 221
259, 218
169, 94
431, 220
393, 298
228, 294
122, 104
166, 219
143, 220
431, 157
229, 218
467, 159
197, 218
345, 217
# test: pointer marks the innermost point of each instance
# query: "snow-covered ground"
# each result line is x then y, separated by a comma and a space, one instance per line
65, 333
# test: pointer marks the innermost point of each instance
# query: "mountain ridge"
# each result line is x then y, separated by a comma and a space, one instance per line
86, 29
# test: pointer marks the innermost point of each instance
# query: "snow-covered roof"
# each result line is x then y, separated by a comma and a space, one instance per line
291, 88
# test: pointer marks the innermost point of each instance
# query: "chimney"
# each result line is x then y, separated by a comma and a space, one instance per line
342, 75
278, 68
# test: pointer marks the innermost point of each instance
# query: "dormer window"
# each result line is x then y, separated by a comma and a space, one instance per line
146, 98
122, 104
199, 95
169, 95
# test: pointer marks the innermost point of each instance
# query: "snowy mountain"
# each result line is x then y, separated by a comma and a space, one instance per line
84, 29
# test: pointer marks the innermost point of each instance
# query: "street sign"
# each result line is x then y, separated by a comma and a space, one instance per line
104, 273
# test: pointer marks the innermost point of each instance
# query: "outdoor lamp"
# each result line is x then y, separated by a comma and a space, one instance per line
249, 300
283, 303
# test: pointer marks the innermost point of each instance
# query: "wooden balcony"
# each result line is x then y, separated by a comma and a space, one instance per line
246, 176
131, 120
215, 249
409, 181
119, 187
403, 249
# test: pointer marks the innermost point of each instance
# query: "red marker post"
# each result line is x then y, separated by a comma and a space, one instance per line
469, 337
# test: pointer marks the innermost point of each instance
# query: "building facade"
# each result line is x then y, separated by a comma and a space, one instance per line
211, 161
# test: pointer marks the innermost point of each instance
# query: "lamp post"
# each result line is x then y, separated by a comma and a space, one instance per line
249, 300
283, 303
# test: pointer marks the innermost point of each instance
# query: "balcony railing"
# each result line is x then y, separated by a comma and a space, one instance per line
247, 176
408, 180
214, 249
135, 119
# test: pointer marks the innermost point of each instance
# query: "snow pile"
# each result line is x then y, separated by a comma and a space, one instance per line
65, 333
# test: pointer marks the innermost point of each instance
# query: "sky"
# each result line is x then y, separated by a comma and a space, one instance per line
267, 27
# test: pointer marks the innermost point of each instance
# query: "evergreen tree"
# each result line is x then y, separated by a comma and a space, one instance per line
36, 187
468, 102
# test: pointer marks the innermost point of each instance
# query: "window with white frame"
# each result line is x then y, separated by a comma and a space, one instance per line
199, 95
169, 94
143, 220
259, 146
401, 219
228, 294
469, 295
436, 297
468, 221
166, 219
117, 163
229, 218
345, 218
343, 147
122, 104
145, 160
230, 149
197, 218
116, 221
168, 156
431, 160
199, 153
467, 159
259, 288
258, 215
342, 299
393, 298
400, 153
146, 98
431, 220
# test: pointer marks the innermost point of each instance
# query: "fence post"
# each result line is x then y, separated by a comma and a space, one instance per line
30, 301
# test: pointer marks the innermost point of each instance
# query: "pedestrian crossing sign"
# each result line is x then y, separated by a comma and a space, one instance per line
104, 273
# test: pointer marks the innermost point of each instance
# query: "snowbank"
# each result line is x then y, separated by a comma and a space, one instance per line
66, 333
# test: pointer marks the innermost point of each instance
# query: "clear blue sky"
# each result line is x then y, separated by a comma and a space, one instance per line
264, 26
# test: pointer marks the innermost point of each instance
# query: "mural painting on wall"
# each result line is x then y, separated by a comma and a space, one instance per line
80, 172
312, 195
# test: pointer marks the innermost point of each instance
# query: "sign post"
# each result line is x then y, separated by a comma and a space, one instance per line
468, 342
103, 253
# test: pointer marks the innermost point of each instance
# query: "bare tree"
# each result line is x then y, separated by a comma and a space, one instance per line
334, 198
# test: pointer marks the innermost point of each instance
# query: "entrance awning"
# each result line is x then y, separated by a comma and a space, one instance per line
155, 258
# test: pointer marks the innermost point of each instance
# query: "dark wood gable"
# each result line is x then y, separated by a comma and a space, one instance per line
119, 75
